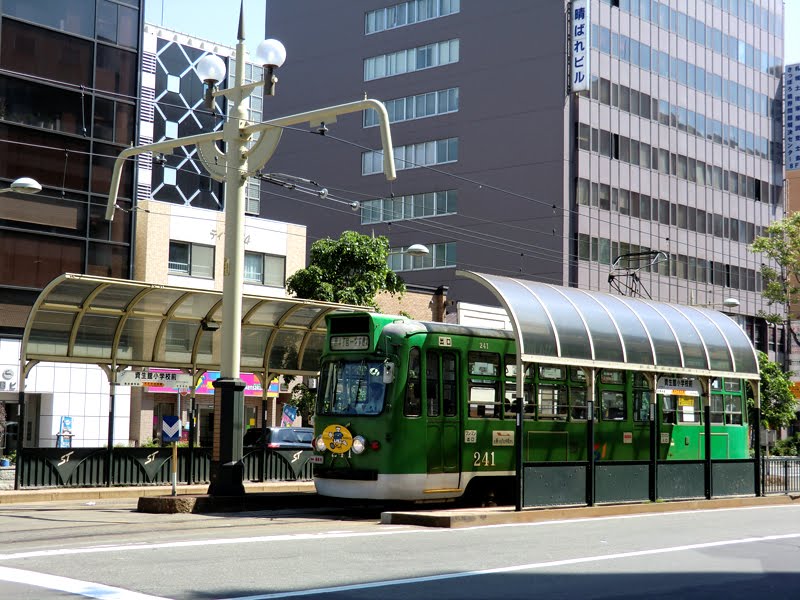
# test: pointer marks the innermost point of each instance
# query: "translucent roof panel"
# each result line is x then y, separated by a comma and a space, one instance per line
99, 320
570, 326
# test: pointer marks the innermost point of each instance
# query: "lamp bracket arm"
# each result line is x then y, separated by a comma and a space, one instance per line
329, 114
165, 146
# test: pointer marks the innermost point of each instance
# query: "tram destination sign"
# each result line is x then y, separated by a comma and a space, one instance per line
349, 342
678, 386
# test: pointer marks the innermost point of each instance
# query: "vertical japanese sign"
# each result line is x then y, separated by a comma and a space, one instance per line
791, 91
580, 45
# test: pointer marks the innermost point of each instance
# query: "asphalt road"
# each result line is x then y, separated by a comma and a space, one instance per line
107, 550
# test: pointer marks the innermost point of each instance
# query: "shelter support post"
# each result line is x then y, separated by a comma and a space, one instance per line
519, 438
590, 495
262, 452
227, 467
112, 386
758, 484
707, 428
654, 439
21, 429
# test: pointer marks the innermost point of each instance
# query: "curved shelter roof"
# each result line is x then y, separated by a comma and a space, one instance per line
571, 326
117, 322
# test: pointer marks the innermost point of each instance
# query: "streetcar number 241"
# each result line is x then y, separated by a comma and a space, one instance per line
483, 460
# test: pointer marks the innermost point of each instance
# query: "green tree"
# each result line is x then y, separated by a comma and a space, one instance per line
777, 401
351, 270
781, 242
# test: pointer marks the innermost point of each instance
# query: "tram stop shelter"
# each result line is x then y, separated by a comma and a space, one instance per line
120, 324
594, 330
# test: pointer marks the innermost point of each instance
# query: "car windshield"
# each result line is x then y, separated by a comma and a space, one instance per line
352, 388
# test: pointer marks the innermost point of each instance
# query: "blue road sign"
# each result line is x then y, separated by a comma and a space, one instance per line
171, 429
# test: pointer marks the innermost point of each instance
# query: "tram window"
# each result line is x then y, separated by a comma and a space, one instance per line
484, 363
576, 374
641, 405
449, 389
733, 385
613, 406
640, 381
483, 402
688, 409
432, 383
578, 405
552, 402
608, 376
668, 414
717, 408
551, 372
733, 410
412, 403
511, 367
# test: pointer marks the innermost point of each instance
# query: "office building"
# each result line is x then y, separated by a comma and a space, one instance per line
674, 151
68, 105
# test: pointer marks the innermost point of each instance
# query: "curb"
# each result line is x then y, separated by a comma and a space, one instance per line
507, 515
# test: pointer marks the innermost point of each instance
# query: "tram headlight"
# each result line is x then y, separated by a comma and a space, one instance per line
359, 444
319, 444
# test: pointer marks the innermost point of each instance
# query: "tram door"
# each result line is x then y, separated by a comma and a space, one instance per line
442, 412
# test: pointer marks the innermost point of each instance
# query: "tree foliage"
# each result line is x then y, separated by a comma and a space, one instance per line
777, 401
781, 242
351, 270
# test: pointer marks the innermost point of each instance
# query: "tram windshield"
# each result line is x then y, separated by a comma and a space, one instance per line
351, 388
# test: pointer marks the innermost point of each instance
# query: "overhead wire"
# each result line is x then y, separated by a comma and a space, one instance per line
481, 185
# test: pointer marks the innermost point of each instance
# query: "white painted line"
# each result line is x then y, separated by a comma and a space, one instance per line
391, 530
515, 568
72, 586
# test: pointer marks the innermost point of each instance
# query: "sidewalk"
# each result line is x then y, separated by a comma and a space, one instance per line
131, 492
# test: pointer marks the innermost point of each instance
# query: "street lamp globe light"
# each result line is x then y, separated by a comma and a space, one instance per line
211, 69
730, 302
417, 250
271, 53
25, 185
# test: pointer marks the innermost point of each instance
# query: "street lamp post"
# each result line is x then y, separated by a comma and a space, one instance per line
234, 166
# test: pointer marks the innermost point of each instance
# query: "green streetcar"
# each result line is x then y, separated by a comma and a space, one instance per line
419, 411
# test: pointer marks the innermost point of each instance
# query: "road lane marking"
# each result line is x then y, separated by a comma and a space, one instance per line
394, 530
514, 568
72, 586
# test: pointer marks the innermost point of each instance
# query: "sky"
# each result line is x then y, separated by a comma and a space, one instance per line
217, 21
213, 20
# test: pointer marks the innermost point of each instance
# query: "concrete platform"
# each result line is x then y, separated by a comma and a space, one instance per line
276, 497
503, 515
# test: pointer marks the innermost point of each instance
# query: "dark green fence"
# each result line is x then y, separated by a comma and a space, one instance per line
96, 467
780, 474
576, 483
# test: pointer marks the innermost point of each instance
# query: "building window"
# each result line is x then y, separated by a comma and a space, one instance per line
439, 256
408, 13
252, 201
190, 259
413, 59
264, 269
424, 154
416, 107
415, 206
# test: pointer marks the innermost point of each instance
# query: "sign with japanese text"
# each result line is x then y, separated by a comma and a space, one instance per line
155, 378
678, 386
580, 45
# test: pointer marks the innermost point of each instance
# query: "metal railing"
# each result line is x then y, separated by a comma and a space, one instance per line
780, 474
96, 467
